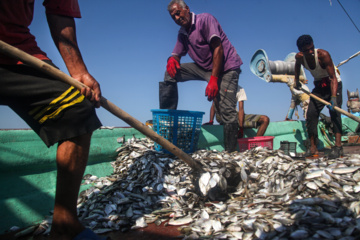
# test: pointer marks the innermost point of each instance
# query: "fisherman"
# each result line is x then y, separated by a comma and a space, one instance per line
245, 120
328, 86
298, 98
215, 61
57, 112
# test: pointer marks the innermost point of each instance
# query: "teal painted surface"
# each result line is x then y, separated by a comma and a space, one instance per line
211, 137
28, 170
292, 131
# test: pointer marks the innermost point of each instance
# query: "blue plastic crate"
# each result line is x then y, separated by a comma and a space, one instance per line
181, 128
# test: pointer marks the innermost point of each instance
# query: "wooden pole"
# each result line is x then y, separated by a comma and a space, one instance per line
353, 117
112, 108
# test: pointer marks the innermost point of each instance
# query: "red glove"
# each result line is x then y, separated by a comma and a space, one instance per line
241, 132
212, 88
172, 66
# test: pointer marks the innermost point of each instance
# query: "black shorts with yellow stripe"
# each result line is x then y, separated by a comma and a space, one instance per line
55, 110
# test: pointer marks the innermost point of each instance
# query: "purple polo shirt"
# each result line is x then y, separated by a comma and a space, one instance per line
196, 43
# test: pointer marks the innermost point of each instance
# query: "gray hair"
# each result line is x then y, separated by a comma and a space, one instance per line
180, 2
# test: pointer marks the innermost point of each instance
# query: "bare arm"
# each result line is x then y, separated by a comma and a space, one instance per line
298, 62
63, 33
218, 56
241, 114
327, 63
212, 112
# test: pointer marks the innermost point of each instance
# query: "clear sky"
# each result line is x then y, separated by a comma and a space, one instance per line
125, 45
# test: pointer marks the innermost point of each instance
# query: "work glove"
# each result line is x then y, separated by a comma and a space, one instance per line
212, 88
332, 103
172, 66
240, 132
209, 123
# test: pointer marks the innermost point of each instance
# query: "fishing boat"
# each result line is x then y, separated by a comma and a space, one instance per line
28, 169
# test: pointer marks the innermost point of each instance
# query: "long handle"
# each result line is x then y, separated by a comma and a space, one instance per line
283, 78
353, 117
112, 108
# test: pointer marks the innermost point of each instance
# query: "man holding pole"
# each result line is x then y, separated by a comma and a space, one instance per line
56, 111
328, 86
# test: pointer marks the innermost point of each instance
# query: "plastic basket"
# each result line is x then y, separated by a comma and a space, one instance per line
181, 128
248, 143
289, 148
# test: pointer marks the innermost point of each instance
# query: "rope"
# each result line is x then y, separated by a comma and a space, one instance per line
356, 54
348, 15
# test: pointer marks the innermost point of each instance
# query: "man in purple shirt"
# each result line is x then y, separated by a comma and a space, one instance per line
215, 61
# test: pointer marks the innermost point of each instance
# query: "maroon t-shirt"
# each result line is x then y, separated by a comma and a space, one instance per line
16, 17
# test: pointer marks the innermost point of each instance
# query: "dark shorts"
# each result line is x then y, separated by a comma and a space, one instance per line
315, 107
55, 110
250, 120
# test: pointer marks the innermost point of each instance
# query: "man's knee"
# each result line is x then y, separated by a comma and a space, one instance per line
264, 120
168, 78
83, 139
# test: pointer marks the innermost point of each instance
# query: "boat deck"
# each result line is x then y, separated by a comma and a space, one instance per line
161, 232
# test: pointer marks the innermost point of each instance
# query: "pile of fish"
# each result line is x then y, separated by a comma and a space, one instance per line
277, 197
274, 197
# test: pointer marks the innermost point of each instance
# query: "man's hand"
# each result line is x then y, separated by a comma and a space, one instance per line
332, 103
92, 91
212, 88
209, 123
172, 66
297, 85
63, 32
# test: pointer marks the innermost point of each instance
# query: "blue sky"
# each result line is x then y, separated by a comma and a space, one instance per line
125, 45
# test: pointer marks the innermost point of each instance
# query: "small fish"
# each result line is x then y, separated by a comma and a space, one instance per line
181, 221
299, 234
345, 170
139, 223
256, 194
121, 139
